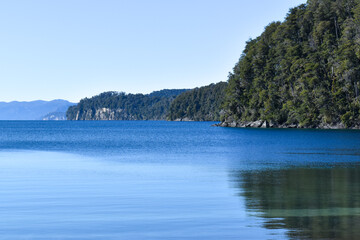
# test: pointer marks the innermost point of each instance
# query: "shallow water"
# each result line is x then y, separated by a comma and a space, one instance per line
176, 180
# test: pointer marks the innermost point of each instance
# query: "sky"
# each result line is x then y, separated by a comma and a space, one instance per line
72, 49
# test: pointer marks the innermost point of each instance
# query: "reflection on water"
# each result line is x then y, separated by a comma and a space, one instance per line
51, 195
309, 202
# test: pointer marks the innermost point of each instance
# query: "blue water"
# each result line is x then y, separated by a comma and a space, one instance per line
176, 180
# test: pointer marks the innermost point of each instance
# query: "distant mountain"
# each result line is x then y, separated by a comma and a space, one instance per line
122, 106
34, 110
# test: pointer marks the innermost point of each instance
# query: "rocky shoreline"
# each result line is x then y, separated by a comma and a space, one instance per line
186, 119
266, 124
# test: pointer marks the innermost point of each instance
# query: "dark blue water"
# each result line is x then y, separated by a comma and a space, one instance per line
176, 180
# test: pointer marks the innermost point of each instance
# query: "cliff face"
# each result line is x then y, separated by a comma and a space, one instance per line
106, 114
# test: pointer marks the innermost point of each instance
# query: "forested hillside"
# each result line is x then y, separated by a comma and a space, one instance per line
121, 106
303, 72
199, 104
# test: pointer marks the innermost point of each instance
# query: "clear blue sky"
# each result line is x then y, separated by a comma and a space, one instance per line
72, 49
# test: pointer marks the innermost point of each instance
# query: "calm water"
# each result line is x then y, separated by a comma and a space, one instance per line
176, 180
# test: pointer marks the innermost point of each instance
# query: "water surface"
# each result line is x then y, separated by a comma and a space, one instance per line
176, 180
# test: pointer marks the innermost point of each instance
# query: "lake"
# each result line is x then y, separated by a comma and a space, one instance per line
176, 180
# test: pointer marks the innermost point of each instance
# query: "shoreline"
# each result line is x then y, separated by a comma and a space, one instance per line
266, 124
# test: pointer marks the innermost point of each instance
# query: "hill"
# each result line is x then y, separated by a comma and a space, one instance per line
121, 106
199, 104
303, 72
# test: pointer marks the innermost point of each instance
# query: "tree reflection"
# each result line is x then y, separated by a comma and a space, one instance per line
309, 202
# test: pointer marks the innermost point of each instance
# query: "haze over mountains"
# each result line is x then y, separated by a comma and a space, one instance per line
34, 110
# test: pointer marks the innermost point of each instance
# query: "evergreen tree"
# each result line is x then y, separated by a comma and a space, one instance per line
199, 104
304, 71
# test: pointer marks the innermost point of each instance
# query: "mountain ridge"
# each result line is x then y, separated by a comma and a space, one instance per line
32, 110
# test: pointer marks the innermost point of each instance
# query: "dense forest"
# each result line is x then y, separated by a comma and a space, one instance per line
302, 72
199, 104
121, 106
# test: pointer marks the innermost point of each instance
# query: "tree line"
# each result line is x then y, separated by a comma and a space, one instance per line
303, 71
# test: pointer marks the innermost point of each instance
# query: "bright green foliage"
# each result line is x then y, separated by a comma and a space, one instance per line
199, 104
305, 70
121, 106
